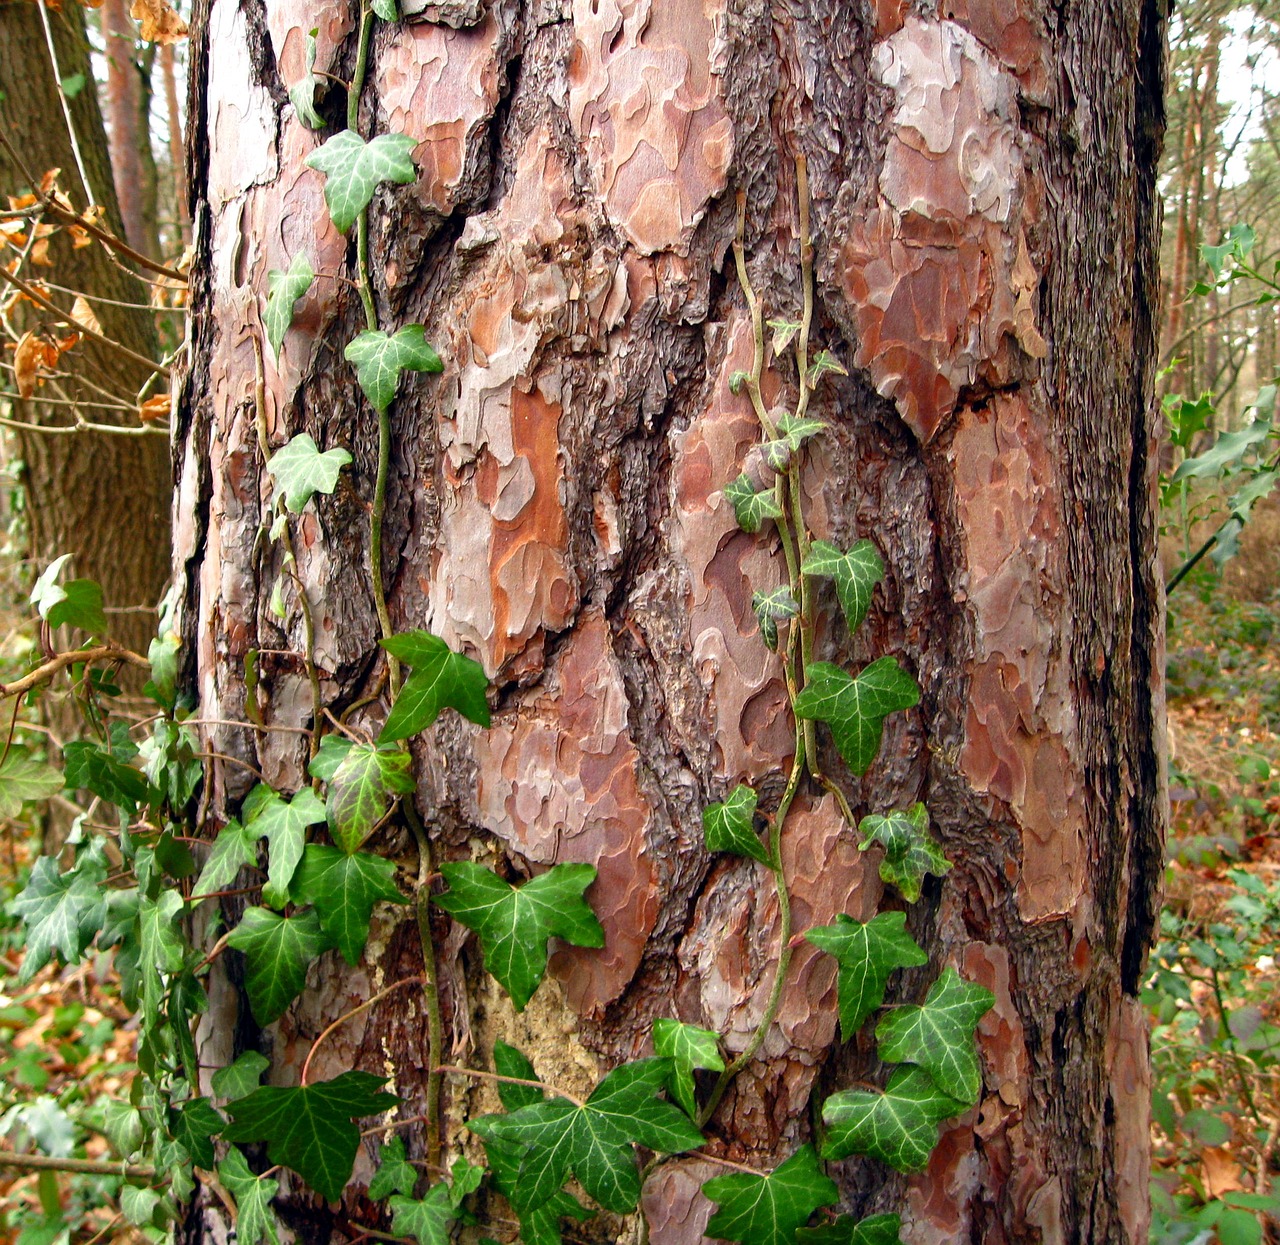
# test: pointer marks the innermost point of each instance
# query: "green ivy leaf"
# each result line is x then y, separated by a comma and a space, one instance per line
92, 767
331, 752
193, 1126
255, 1220
285, 288
427, 1219
750, 508
938, 1035
385, 9
300, 470
595, 1141
508, 1061
855, 709
868, 955
162, 949
909, 849
46, 592
379, 359
240, 1079
77, 603
343, 890
687, 1047
138, 1205
23, 778
277, 952
302, 94
284, 824
846, 1230
361, 789
796, 431
310, 1129
856, 575
768, 1209
770, 609
898, 1126
235, 847
514, 922
441, 679
62, 912
730, 826
395, 1173
354, 169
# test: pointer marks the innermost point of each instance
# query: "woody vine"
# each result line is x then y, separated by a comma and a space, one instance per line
135, 884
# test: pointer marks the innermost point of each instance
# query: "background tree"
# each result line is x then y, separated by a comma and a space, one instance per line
984, 214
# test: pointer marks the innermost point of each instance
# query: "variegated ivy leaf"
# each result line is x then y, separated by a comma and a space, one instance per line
283, 291
302, 94
856, 574
783, 333
23, 778
867, 955
751, 508
768, 1209
300, 470
938, 1035
730, 826
824, 361
796, 431
62, 911
688, 1047
361, 790
855, 709
910, 851
354, 169
380, 359
770, 609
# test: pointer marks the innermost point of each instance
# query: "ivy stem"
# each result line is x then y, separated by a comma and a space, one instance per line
430, 981
362, 63
512, 1080
375, 546
351, 1015
88, 1167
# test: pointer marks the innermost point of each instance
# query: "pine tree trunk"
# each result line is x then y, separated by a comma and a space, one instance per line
985, 223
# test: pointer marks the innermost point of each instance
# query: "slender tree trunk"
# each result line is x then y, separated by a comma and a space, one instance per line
986, 225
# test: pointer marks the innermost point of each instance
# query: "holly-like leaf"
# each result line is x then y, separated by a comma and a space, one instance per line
687, 1047
310, 1129
277, 952
343, 890
441, 679
768, 1209
379, 359
240, 1079
285, 288
868, 955
427, 1219
23, 778
938, 1035
856, 575
193, 1126
235, 847
94, 768
514, 922
846, 1230
730, 826
354, 169
395, 1173
910, 851
751, 508
361, 789
284, 823
855, 709
302, 94
898, 1125
62, 912
300, 470
255, 1220
771, 608
595, 1141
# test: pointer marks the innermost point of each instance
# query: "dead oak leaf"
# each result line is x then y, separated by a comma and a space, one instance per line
159, 21
29, 356
82, 315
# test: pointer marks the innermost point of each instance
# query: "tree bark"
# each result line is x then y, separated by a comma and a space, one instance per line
986, 225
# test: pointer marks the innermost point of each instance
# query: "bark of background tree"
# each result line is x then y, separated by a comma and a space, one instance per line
985, 219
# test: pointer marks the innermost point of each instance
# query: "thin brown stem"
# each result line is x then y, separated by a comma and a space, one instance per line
512, 1080
88, 1167
44, 672
355, 1011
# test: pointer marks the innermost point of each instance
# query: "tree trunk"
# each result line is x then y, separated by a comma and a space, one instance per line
985, 222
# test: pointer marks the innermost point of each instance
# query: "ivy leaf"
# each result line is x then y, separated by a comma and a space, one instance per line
46, 592
326, 761
380, 359
783, 332
87, 765
285, 288
361, 789
138, 1205
385, 9
797, 431
855, 709
255, 1220
284, 823
910, 851
856, 575
310, 1129
277, 952
427, 1219
395, 1173
441, 679
235, 847
687, 1047
938, 1035
767, 1210
354, 169
824, 361
23, 778
77, 603
595, 1141
240, 1079
302, 94
508, 1061
750, 508
62, 912
193, 1125
772, 608
730, 826
877, 1230
867, 954
514, 922
898, 1125
343, 890
300, 470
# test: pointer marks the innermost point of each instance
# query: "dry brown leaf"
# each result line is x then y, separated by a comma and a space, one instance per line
159, 21
82, 314
1221, 1171
49, 181
12, 232
19, 203
29, 356
154, 409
